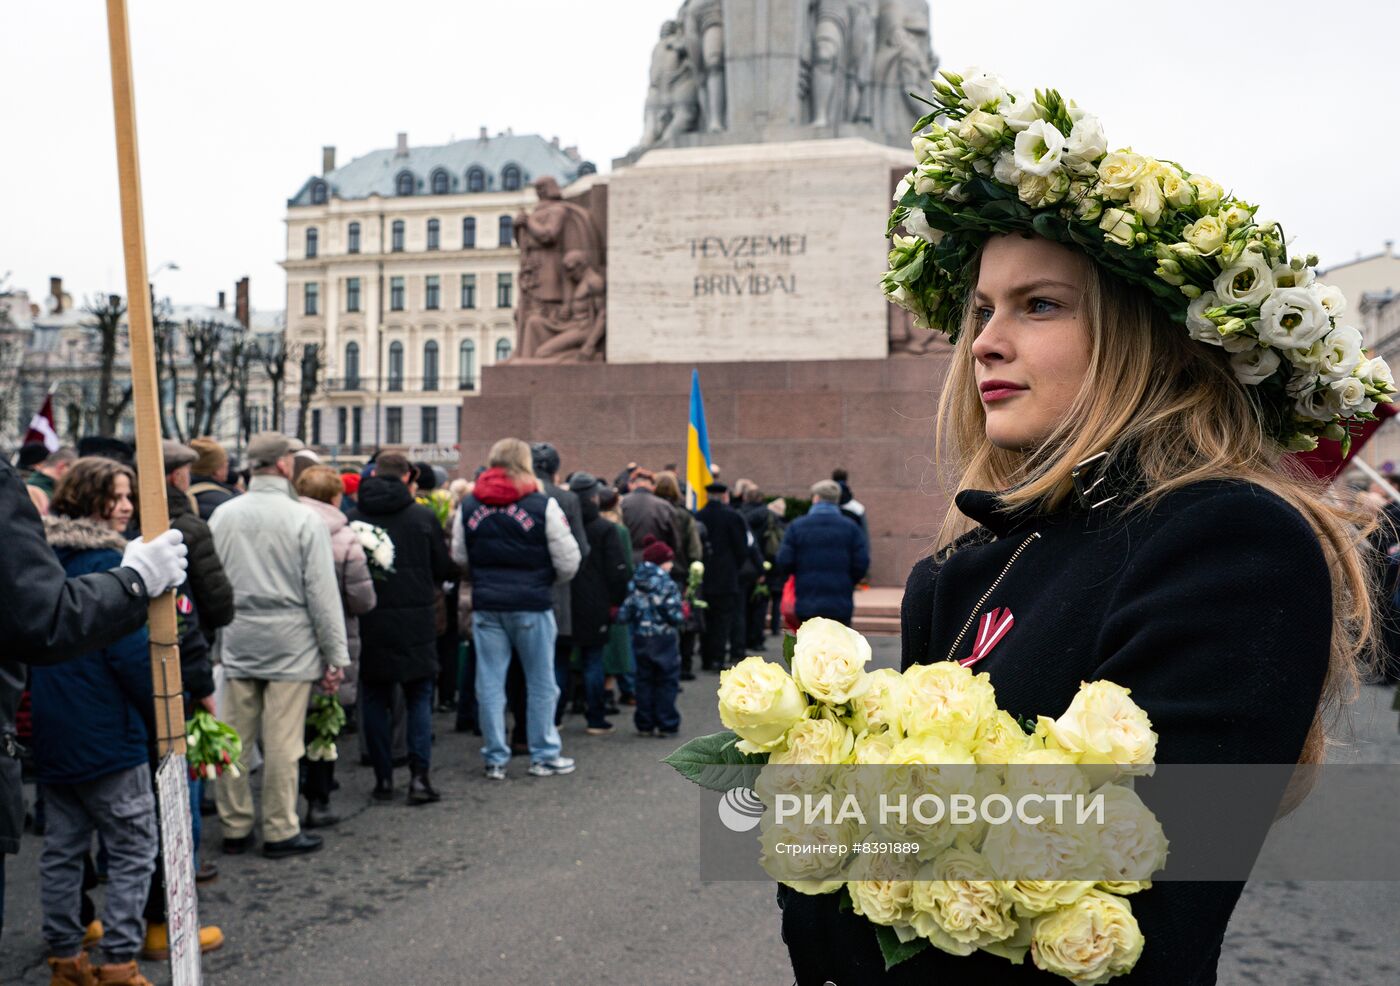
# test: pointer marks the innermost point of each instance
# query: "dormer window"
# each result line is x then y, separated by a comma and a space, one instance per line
476, 180
441, 183
403, 184
318, 193
510, 178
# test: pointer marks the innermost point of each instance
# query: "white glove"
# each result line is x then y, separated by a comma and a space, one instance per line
161, 563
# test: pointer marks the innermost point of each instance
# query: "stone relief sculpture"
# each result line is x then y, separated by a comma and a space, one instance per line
686, 92
863, 58
561, 310
673, 95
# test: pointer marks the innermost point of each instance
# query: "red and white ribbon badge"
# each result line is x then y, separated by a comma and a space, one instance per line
990, 629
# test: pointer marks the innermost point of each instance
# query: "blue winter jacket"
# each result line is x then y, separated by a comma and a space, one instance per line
93, 715
653, 605
829, 555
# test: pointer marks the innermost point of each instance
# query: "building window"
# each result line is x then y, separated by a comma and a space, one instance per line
468, 232
315, 426
502, 350
352, 238
468, 290
434, 233
476, 180
503, 290
403, 184
431, 293
510, 178
311, 300
505, 238
357, 421
396, 366
466, 365
318, 193
393, 425
312, 238
352, 294
397, 234
430, 365
340, 416
440, 182
396, 294
429, 435
352, 366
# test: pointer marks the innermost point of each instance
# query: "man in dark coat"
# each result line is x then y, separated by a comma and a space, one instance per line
597, 590
726, 552
827, 553
208, 584
399, 636
48, 618
646, 513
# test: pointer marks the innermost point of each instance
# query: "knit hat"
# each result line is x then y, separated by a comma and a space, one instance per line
656, 552
212, 459
426, 478
350, 483
32, 454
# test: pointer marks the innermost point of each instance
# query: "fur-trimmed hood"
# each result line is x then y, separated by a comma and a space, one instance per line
81, 534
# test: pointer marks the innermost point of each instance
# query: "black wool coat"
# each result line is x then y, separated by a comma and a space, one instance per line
208, 583
1214, 609
727, 548
398, 638
601, 582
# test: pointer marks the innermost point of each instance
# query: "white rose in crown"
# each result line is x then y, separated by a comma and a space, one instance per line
828, 661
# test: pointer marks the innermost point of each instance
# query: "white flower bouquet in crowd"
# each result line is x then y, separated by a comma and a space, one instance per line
989, 160
379, 548
694, 579
961, 888
326, 718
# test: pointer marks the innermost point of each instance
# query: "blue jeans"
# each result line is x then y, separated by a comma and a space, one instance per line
592, 660
532, 635
658, 680
376, 701
196, 819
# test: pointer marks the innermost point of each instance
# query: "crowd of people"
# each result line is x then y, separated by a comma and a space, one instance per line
521, 595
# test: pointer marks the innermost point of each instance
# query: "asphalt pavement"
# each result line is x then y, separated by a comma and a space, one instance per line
592, 878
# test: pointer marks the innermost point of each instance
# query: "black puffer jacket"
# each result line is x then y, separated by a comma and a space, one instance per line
1214, 608
208, 584
601, 582
398, 638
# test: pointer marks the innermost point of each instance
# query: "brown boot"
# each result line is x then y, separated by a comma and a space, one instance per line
75, 971
122, 974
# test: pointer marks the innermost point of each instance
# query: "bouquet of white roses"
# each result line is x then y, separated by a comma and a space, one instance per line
694, 578
379, 548
939, 727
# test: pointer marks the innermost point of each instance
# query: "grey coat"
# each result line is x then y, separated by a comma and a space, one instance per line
277, 553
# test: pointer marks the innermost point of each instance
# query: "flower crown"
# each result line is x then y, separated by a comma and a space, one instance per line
990, 161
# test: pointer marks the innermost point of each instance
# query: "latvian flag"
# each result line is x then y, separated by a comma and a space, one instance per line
41, 429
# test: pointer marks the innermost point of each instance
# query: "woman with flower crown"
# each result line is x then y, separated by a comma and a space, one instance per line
1134, 354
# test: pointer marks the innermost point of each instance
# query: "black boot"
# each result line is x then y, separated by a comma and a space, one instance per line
319, 816
421, 790
383, 789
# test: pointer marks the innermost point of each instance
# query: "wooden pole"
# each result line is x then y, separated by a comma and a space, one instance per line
150, 461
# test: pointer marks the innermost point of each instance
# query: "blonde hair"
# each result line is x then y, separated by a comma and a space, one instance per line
512, 455
1177, 404
319, 483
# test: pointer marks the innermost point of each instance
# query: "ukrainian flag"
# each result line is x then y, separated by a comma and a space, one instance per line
697, 452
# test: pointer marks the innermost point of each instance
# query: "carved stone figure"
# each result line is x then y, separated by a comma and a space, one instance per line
704, 33
673, 95
546, 236
841, 61
575, 330
904, 63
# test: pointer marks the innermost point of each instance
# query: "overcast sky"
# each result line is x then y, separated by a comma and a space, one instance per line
1291, 104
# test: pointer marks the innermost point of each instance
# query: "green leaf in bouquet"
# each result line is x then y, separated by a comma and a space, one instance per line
789, 648
715, 762
894, 950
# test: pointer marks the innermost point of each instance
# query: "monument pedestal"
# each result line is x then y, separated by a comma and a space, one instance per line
783, 424
751, 251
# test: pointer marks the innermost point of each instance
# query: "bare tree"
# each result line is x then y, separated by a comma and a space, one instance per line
241, 354
107, 318
11, 356
273, 353
167, 345
313, 361
209, 342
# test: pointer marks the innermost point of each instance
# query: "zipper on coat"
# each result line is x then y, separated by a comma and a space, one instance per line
990, 589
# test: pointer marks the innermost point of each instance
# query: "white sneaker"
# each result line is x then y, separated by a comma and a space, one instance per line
496, 772
548, 768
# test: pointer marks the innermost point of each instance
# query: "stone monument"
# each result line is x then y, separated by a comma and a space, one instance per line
745, 236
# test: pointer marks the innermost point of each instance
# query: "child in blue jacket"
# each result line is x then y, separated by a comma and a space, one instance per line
654, 611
